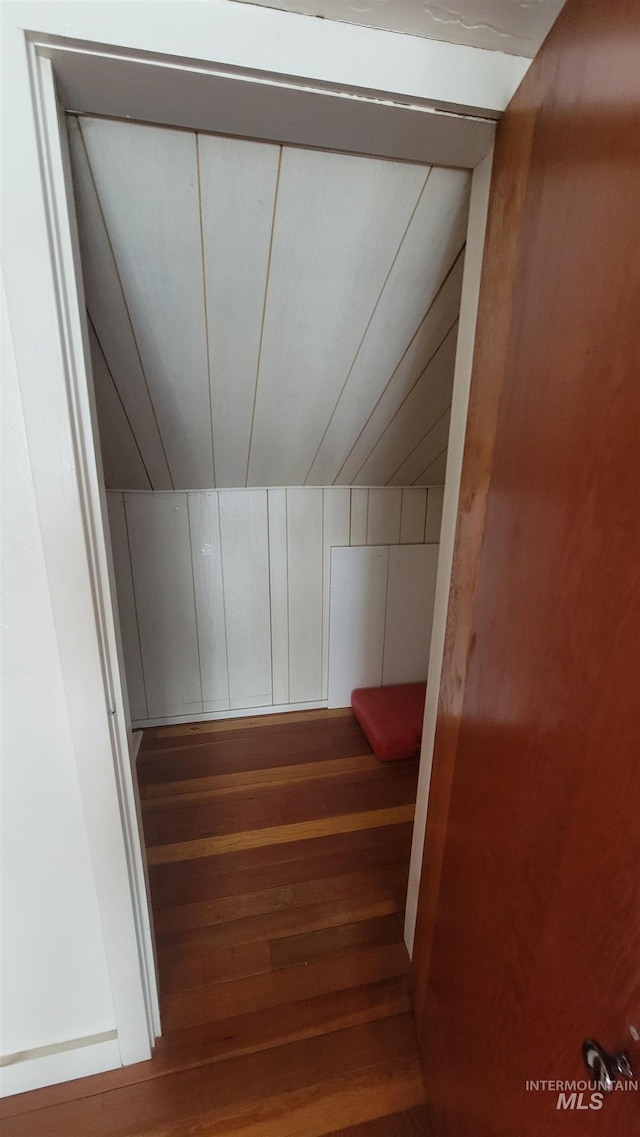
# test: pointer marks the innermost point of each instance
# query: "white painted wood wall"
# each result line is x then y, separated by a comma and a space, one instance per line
224, 594
380, 617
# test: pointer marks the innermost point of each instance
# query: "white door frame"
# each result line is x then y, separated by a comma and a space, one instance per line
44, 292
136, 1002
476, 229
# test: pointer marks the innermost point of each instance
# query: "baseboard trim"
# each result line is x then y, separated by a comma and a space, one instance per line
47, 1065
238, 713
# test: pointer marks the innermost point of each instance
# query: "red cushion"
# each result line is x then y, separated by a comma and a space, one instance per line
391, 718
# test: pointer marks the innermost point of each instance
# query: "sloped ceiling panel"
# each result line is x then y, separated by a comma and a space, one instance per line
517, 27
263, 314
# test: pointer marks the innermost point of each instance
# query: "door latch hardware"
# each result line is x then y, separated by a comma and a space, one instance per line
603, 1068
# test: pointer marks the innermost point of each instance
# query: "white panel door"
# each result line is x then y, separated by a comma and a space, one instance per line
432, 242
356, 621
238, 184
245, 568
147, 184
339, 221
409, 614
132, 656
204, 532
304, 560
158, 526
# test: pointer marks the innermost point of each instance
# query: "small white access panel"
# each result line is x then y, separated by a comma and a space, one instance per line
381, 611
411, 588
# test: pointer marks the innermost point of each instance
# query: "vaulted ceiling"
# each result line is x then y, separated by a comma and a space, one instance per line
263, 314
517, 27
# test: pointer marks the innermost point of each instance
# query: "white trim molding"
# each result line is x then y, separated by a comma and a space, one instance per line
286, 46
476, 231
44, 303
46, 1065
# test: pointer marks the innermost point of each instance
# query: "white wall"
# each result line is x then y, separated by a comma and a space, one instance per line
224, 594
54, 979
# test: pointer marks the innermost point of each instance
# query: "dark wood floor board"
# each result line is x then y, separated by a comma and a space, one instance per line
278, 857
414, 1122
278, 988
173, 947
281, 747
279, 805
211, 758
227, 1088
183, 970
255, 724
280, 801
230, 1038
286, 834
254, 869
285, 1022
314, 1110
163, 795
286, 896
289, 951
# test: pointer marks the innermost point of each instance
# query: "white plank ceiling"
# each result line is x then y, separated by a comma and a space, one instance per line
265, 315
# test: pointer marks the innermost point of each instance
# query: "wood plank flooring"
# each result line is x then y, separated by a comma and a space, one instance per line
278, 854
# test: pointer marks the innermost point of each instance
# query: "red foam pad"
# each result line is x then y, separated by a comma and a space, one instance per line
391, 718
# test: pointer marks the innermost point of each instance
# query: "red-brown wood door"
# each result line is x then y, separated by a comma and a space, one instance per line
528, 936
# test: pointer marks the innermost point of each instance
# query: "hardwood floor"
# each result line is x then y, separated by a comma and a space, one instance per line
278, 853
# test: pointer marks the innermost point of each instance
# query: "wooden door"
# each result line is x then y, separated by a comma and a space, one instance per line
528, 933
